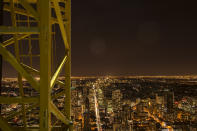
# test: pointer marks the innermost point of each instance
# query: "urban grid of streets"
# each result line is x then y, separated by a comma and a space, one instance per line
122, 103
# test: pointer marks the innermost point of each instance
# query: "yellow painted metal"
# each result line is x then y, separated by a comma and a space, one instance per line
37, 73
25, 13
31, 1
58, 94
12, 60
45, 64
20, 84
10, 100
16, 1
42, 16
58, 71
28, 7
18, 11
29, 55
61, 8
61, 23
11, 40
4, 125
14, 113
31, 70
18, 30
67, 107
58, 114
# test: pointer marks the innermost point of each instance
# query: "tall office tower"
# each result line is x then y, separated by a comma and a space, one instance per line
74, 84
87, 115
116, 100
74, 98
169, 100
159, 99
85, 92
126, 115
76, 108
91, 99
100, 97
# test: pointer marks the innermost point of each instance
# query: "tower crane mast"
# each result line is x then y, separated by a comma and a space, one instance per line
32, 22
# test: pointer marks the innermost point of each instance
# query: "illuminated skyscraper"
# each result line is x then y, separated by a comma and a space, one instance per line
116, 100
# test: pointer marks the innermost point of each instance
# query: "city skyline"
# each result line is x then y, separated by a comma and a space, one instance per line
127, 103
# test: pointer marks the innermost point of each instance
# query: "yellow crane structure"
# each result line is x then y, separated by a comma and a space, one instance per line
33, 20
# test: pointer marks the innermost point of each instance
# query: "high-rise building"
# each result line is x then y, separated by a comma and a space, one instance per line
91, 100
116, 100
86, 115
159, 99
169, 100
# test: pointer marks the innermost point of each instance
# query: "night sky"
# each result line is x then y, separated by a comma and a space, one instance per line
133, 37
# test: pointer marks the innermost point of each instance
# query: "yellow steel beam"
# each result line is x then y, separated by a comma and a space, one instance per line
28, 109
11, 40
45, 64
30, 1
12, 60
29, 8
14, 113
46, 82
61, 8
56, 95
24, 12
58, 71
62, 84
37, 73
67, 107
16, 1
29, 55
18, 30
4, 125
20, 83
54, 110
61, 24
17, 10
31, 70
10, 100
58, 114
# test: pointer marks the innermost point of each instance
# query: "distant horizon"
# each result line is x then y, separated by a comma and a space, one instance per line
117, 76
